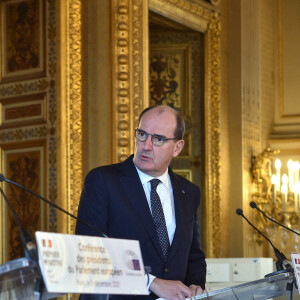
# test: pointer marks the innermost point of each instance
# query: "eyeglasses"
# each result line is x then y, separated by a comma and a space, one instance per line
157, 140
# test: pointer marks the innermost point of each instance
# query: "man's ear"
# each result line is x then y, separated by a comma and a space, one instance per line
178, 147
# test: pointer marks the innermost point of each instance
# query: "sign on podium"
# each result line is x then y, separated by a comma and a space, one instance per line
90, 265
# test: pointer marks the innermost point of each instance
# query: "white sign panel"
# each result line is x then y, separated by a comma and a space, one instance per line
295, 257
91, 265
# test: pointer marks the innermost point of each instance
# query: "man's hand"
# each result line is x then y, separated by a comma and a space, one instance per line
197, 290
171, 289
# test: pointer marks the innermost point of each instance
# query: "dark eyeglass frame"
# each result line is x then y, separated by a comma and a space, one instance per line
153, 136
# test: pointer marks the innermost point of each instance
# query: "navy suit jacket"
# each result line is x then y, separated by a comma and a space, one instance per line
113, 200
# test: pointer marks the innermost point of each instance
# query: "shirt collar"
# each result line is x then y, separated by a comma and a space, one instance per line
145, 177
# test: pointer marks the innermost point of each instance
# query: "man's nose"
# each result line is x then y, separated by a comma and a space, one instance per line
148, 145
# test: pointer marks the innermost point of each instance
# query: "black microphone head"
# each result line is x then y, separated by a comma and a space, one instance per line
2, 178
253, 204
239, 212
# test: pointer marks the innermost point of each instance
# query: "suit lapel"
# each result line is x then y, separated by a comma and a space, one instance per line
135, 193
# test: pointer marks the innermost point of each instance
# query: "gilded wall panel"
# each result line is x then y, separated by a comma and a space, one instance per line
23, 40
28, 120
22, 111
27, 167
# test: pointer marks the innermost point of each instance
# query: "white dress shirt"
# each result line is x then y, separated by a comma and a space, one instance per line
165, 192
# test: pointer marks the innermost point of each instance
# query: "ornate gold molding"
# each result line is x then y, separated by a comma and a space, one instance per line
23, 88
130, 86
70, 84
75, 105
129, 72
212, 100
186, 12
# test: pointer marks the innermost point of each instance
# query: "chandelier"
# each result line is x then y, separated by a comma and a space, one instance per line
276, 192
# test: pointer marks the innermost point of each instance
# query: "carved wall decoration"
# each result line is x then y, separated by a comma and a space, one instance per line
27, 167
165, 83
25, 88
22, 111
213, 137
129, 73
23, 43
28, 126
75, 107
70, 104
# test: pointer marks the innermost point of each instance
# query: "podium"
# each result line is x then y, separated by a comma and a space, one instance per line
266, 288
18, 277
17, 280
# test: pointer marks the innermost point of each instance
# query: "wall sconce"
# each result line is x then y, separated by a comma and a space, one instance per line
277, 194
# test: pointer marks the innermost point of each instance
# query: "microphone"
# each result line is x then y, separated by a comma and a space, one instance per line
254, 205
281, 259
2, 178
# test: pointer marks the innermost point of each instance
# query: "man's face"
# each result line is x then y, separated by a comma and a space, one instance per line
154, 160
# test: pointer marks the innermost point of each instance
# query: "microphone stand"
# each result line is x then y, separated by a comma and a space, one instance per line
29, 248
2, 178
254, 205
281, 259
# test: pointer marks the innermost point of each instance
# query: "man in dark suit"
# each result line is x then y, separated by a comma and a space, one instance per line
120, 200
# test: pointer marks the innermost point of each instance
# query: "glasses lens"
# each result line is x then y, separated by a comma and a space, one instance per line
141, 135
158, 140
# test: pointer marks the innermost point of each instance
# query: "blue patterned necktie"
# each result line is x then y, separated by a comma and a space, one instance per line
159, 218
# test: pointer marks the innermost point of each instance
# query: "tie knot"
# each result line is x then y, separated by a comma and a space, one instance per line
154, 183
